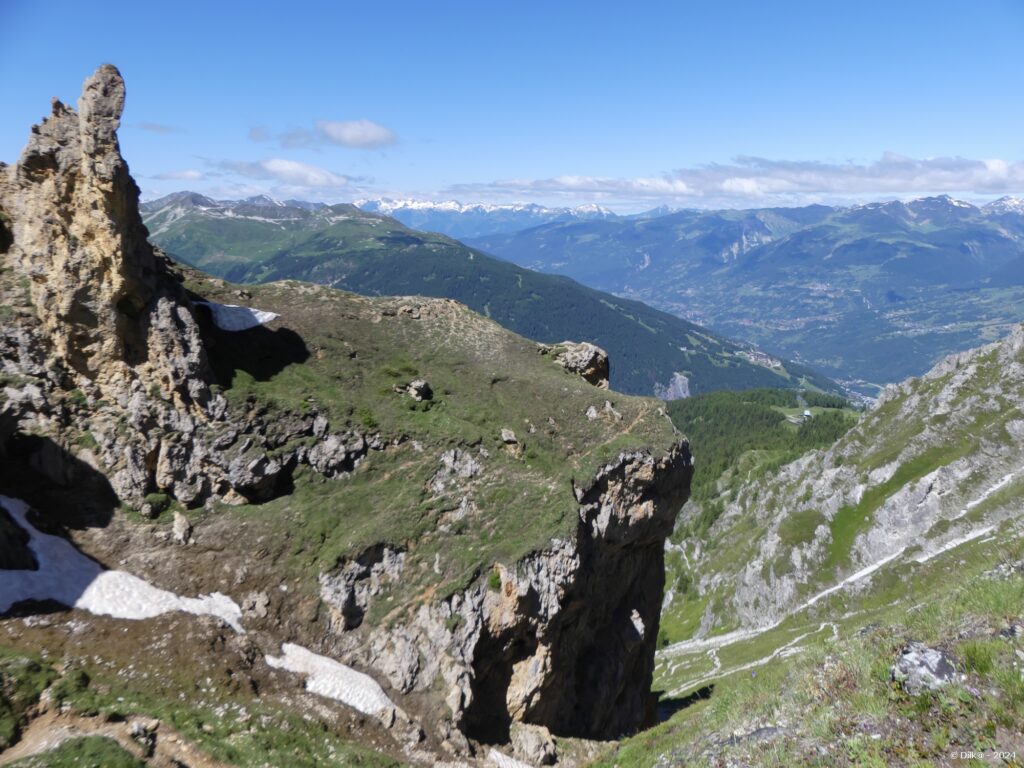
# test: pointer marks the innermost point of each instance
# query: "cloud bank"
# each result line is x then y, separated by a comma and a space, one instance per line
189, 175
760, 181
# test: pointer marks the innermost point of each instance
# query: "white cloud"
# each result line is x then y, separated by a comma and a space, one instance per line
188, 175
289, 172
759, 181
354, 134
358, 134
158, 128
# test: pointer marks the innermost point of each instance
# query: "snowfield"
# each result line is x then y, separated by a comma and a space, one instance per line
67, 576
326, 677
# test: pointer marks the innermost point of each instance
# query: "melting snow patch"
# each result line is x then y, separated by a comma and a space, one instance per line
333, 680
232, 317
69, 577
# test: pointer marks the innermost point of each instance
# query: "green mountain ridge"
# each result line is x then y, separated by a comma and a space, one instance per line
344, 247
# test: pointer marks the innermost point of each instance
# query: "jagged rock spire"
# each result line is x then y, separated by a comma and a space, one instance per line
110, 310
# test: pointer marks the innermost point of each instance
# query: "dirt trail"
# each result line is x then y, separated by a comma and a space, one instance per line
51, 729
782, 651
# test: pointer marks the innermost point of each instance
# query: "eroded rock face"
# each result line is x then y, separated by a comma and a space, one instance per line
348, 590
111, 316
567, 641
105, 349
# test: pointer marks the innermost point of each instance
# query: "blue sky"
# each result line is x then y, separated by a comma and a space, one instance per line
630, 105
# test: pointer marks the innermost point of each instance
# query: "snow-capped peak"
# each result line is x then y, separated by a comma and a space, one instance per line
1005, 205
389, 206
263, 201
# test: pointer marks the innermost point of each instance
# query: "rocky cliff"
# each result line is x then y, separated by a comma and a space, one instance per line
108, 348
930, 467
109, 313
397, 483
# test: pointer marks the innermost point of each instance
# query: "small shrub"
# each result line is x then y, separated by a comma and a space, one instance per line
75, 681
86, 440
494, 580
365, 417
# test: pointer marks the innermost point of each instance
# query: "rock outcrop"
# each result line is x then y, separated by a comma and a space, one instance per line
564, 639
107, 309
582, 358
920, 668
103, 353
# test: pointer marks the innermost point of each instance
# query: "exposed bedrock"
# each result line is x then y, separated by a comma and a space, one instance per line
103, 353
566, 641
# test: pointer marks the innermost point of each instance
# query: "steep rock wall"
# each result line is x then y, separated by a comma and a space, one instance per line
566, 640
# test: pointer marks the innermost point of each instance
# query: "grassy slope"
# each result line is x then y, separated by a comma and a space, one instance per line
375, 255
345, 354
218, 715
484, 379
819, 675
829, 701
81, 752
736, 438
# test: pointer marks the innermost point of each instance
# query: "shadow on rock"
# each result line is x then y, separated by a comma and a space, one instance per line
259, 352
66, 491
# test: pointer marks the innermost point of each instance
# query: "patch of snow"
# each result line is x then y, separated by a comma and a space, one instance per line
333, 680
388, 206
232, 317
1005, 205
67, 576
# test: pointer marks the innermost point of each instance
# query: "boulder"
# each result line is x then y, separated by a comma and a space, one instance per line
420, 390
533, 744
920, 668
582, 358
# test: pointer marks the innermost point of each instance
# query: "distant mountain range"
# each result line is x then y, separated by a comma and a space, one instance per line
261, 240
869, 294
479, 220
